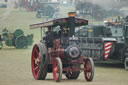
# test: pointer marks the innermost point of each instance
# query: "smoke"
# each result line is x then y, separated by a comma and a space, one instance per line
7, 11
117, 5
104, 3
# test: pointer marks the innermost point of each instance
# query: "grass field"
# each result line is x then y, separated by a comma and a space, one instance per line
15, 64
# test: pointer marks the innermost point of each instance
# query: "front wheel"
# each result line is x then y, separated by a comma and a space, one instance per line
89, 69
57, 69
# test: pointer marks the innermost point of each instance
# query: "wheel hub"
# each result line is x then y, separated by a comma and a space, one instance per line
56, 69
37, 61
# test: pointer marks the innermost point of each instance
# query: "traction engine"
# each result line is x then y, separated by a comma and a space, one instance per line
58, 52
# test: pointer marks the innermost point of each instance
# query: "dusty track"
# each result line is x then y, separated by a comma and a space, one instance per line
15, 69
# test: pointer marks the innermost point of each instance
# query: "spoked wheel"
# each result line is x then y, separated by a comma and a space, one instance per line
21, 42
57, 70
89, 69
73, 75
1, 45
39, 61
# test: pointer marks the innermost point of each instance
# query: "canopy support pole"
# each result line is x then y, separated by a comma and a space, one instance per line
41, 32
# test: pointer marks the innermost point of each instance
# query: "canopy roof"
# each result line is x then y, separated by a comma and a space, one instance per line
60, 21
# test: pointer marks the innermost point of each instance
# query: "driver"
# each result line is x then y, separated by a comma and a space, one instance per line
63, 34
63, 31
49, 37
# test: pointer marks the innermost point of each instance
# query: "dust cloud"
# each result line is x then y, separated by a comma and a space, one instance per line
7, 11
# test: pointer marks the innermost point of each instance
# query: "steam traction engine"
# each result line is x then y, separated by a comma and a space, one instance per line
47, 9
58, 51
16, 39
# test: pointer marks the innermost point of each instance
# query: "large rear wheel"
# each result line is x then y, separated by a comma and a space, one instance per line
39, 61
89, 69
57, 70
21, 42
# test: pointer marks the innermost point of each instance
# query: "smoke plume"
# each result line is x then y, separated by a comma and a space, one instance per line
104, 3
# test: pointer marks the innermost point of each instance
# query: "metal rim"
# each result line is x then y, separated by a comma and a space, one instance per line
57, 69
89, 69
36, 61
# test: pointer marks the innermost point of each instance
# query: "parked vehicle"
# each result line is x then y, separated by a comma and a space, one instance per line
46, 9
107, 42
16, 39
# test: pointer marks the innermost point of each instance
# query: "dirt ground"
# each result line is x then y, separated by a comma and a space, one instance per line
15, 69
15, 64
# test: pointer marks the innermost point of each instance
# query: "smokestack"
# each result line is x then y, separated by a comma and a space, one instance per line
71, 23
